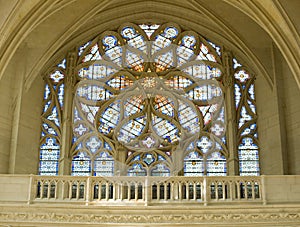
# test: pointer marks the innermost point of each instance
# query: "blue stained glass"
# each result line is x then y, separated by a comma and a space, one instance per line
238, 95
93, 144
109, 41
188, 118
46, 106
242, 76
202, 71
137, 170
251, 91
148, 159
82, 48
109, 118
134, 61
159, 43
81, 165
80, 130
183, 55
205, 92
47, 91
107, 146
236, 63
132, 129
115, 55
128, 32
204, 144
104, 165
62, 64
217, 48
149, 29
244, 116
160, 170
49, 156
161, 158
248, 157
96, 71
93, 92
135, 40
48, 168
93, 54
119, 82
164, 105
218, 128
249, 130
164, 61
252, 106
170, 32
61, 95
193, 165
188, 41
49, 129
54, 116
57, 76
128, 119
165, 129
133, 105
216, 165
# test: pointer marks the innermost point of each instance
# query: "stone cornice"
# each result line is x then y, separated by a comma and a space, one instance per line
183, 215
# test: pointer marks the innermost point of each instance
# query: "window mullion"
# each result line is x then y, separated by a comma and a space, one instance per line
231, 132
66, 127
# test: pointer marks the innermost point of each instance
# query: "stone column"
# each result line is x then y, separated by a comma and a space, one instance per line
231, 120
66, 124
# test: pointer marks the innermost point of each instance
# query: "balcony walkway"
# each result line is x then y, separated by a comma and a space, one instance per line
29, 200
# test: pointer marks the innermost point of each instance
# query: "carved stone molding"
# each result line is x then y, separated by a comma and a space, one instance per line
154, 216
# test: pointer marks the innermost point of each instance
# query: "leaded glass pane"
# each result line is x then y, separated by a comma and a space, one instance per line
245, 104
160, 170
147, 91
216, 165
137, 170
49, 155
104, 165
81, 165
193, 165
248, 156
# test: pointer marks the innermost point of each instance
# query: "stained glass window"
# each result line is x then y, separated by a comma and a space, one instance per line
51, 120
49, 155
247, 130
193, 164
145, 96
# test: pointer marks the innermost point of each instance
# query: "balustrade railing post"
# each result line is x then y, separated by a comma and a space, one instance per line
31, 191
179, 191
88, 191
147, 186
176, 190
262, 189
62, 189
205, 191
231, 190
238, 188
223, 190
114, 190
136, 185
187, 190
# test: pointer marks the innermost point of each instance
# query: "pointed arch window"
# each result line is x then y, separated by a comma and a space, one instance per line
149, 99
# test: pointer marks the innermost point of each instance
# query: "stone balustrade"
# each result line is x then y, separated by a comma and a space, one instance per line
125, 190
145, 190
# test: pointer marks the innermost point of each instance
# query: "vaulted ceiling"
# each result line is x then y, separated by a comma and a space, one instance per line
43, 31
